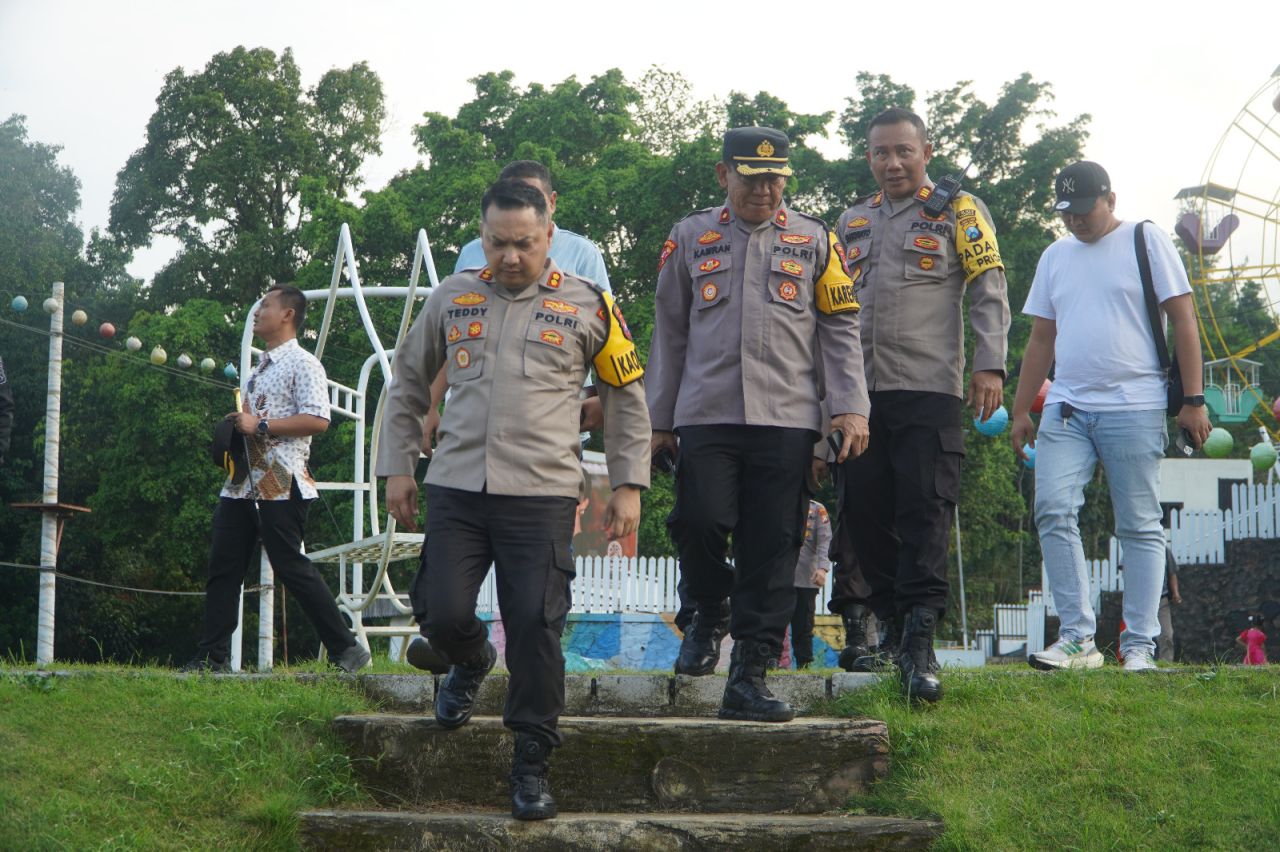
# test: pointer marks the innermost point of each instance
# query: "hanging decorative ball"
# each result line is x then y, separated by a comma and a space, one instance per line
50, 306
1030, 453
207, 365
1263, 457
229, 371
79, 318
107, 331
159, 356
133, 344
1038, 405
1219, 443
19, 303
184, 360
994, 425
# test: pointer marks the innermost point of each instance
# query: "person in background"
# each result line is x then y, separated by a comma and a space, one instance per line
1254, 641
1168, 595
811, 576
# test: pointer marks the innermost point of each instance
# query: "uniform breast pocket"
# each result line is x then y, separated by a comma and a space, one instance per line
787, 278
926, 258
549, 353
710, 283
855, 254
465, 341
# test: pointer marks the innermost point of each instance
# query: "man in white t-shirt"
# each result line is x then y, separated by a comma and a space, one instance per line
1107, 404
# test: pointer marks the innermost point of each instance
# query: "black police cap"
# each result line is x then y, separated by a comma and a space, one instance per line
757, 151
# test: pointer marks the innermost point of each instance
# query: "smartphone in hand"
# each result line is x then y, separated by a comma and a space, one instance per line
835, 441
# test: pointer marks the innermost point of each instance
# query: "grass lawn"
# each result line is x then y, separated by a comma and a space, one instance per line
1011, 759
1016, 759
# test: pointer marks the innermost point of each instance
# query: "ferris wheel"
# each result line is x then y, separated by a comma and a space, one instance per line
1230, 225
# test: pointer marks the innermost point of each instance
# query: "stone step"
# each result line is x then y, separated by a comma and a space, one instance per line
620, 694
367, 831
625, 764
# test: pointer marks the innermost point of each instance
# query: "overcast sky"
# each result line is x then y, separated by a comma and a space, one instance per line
1162, 80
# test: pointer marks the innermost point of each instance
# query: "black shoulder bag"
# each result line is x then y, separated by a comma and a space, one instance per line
1173, 375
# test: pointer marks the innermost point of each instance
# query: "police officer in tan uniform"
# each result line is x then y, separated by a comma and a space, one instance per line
517, 338
913, 272
753, 311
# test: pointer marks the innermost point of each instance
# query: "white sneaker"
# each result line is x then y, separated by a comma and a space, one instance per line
1067, 654
1139, 661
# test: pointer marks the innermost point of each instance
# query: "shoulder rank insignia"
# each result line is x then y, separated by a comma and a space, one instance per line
796, 239
469, 299
877, 199
486, 274
617, 363
834, 289
667, 248
781, 219
724, 216
710, 237
975, 241
553, 280
923, 193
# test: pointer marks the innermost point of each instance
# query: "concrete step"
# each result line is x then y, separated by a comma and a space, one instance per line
625, 764
620, 694
367, 831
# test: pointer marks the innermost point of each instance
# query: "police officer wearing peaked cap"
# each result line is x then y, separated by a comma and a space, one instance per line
914, 271
754, 321
516, 338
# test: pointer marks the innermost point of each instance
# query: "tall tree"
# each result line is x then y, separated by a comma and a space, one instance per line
227, 151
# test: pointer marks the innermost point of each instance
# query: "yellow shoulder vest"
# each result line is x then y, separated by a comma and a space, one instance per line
834, 289
617, 363
975, 240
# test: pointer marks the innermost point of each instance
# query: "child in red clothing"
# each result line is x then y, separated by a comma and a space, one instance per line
1252, 639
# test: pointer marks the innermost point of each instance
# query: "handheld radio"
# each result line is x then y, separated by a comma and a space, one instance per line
946, 189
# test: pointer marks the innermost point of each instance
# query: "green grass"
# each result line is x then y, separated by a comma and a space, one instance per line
1087, 760
141, 760
121, 758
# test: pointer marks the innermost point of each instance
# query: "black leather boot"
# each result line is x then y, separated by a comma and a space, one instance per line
700, 647
915, 656
530, 792
456, 697
885, 652
745, 696
856, 645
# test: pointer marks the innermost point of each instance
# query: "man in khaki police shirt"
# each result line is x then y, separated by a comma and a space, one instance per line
516, 338
898, 498
753, 311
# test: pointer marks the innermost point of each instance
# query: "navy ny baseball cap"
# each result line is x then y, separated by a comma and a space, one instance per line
1079, 186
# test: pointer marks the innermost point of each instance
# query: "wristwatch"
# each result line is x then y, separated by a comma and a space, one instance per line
263, 427
1196, 401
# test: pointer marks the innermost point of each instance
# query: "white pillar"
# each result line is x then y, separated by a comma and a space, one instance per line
237, 637
266, 615
49, 519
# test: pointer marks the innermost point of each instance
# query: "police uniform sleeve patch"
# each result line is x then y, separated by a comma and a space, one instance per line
667, 248
833, 289
975, 240
617, 363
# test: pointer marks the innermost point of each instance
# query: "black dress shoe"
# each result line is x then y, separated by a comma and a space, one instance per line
456, 697
530, 791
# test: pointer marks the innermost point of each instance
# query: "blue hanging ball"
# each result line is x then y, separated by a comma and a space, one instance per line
19, 303
995, 424
1030, 453
229, 371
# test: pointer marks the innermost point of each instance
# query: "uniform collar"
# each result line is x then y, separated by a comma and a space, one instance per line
551, 279
782, 219
897, 206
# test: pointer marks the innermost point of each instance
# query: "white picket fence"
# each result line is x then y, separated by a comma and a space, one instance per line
622, 584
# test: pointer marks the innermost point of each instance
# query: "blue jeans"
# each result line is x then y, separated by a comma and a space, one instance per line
1130, 445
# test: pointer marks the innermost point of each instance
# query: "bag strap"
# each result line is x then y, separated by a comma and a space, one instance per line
1149, 292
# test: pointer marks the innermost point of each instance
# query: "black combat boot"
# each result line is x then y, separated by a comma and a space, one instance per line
745, 696
421, 655
885, 652
700, 648
855, 636
457, 695
915, 656
530, 792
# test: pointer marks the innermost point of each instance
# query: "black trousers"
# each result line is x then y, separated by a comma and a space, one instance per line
899, 498
802, 625
237, 528
848, 586
748, 481
528, 539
